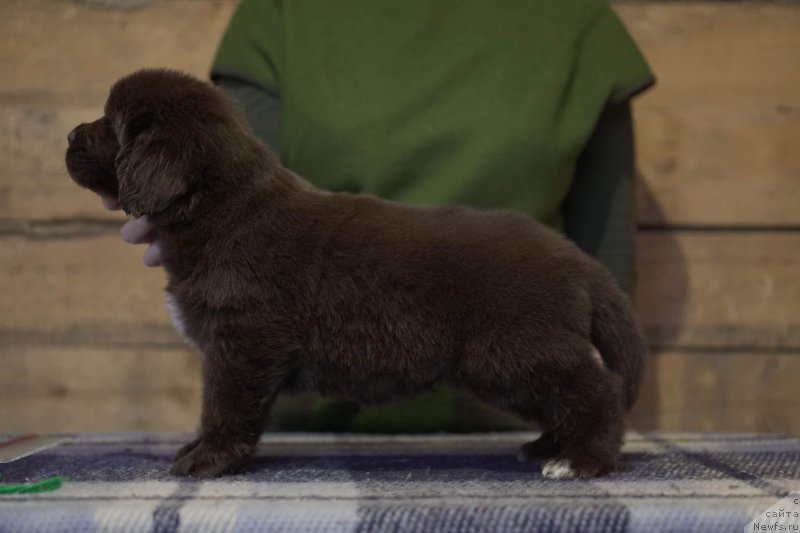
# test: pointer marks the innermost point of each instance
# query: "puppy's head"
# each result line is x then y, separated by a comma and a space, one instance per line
160, 132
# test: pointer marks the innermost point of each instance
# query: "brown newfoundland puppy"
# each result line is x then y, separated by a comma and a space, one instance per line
282, 285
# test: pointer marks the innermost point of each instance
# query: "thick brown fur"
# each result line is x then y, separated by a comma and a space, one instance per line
282, 285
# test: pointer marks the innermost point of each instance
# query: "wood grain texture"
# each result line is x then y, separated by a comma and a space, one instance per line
61, 51
80, 291
719, 136
34, 183
718, 165
61, 389
728, 290
735, 53
694, 289
696, 391
717, 52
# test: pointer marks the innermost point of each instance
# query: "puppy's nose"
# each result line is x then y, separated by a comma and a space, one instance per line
71, 135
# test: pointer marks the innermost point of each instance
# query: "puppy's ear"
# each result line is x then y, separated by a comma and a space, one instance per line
154, 167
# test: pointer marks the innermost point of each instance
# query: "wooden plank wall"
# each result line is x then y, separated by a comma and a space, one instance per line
85, 344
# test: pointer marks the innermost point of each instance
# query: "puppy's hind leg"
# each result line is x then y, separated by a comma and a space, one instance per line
237, 395
587, 414
547, 446
576, 400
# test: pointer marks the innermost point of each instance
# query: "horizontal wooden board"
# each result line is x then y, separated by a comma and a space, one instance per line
694, 289
718, 136
73, 51
696, 391
722, 123
702, 51
89, 388
34, 183
719, 289
741, 54
687, 157
80, 290
74, 389
718, 165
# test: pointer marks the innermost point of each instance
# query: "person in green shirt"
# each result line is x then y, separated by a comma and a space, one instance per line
516, 104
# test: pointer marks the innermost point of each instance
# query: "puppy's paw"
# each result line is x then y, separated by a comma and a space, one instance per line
558, 469
198, 459
566, 468
188, 448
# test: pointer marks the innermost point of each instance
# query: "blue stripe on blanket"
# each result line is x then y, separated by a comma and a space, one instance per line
111, 466
520, 518
409, 483
167, 516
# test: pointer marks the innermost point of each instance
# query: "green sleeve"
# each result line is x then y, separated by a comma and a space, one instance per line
608, 70
608, 56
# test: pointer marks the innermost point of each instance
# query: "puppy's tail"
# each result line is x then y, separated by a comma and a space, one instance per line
617, 335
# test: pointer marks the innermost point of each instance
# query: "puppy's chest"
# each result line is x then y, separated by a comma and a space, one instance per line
179, 319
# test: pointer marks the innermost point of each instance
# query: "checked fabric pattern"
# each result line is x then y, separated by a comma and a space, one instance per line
349, 483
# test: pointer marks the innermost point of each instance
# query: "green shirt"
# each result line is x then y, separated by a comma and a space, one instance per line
486, 104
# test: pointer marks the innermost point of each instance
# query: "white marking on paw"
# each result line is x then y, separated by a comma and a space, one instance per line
558, 469
595, 355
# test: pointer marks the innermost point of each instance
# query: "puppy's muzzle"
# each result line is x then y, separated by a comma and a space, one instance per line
90, 157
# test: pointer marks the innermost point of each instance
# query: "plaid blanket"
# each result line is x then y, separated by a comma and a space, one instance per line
305, 482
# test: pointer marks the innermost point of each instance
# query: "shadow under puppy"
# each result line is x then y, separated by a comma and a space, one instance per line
282, 285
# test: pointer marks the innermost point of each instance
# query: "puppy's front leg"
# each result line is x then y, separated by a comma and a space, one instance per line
237, 394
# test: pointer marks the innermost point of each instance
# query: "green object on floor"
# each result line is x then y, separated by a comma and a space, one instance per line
47, 485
